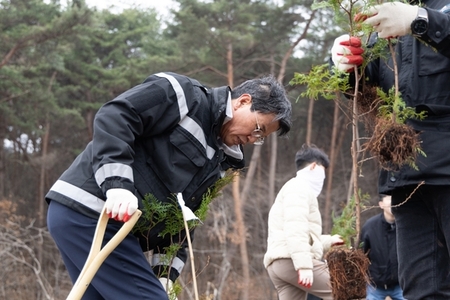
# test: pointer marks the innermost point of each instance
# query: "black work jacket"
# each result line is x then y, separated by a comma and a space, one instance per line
379, 239
424, 77
159, 138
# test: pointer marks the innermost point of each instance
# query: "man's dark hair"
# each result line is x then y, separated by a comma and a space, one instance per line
382, 196
309, 154
268, 97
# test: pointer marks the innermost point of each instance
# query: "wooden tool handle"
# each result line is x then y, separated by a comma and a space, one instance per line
96, 256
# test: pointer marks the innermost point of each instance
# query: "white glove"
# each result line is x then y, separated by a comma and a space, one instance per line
167, 285
120, 204
336, 240
346, 53
391, 19
305, 278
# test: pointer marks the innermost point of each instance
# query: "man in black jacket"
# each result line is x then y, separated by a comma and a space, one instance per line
165, 136
420, 196
378, 237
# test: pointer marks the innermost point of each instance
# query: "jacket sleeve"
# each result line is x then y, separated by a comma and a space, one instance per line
438, 35
296, 226
148, 109
365, 240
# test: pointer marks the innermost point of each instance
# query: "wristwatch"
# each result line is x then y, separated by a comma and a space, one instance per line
420, 24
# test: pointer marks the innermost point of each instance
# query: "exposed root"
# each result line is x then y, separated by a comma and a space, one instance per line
368, 104
348, 273
393, 144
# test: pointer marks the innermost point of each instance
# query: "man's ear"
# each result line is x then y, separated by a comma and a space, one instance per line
244, 99
312, 166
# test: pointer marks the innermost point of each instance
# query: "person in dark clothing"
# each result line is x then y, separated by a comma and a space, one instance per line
166, 136
378, 238
312, 297
420, 196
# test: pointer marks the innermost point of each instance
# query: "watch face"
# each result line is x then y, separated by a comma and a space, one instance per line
420, 26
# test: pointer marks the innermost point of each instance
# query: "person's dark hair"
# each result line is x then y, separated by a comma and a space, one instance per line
268, 96
309, 154
382, 196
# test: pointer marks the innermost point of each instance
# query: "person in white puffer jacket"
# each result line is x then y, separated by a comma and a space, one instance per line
295, 244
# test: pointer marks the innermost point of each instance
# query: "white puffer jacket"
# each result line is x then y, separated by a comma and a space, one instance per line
295, 226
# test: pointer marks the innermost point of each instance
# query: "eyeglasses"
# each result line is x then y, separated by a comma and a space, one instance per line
258, 133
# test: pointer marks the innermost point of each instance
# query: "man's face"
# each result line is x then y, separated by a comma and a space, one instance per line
238, 131
385, 204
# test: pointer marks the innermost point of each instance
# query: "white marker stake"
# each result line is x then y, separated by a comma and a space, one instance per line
189, 215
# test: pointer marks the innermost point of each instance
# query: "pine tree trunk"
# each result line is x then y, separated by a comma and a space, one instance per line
333, 154
309, 121
238, 200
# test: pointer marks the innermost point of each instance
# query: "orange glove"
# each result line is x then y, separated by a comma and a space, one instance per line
336, 240
305, 278
120, 204
346, 53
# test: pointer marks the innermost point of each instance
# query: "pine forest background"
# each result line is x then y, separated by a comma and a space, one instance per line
60, 61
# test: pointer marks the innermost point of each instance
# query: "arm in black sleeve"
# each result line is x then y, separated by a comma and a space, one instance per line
438, 35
